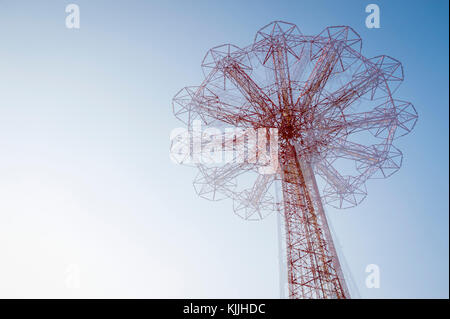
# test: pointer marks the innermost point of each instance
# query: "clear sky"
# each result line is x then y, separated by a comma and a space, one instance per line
87, 189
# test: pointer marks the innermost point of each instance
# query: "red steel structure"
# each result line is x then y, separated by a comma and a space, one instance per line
336, 119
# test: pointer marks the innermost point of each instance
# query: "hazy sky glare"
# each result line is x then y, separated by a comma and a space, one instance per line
85, 174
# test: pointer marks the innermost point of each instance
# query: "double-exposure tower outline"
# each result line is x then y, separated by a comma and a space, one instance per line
336, 118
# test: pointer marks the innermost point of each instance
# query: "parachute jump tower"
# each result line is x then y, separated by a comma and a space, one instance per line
333, 115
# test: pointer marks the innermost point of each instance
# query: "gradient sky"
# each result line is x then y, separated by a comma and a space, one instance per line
85, 175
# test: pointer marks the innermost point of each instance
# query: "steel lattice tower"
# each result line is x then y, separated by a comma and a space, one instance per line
324, 103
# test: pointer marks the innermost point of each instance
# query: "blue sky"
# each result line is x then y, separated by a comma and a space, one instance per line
86, 179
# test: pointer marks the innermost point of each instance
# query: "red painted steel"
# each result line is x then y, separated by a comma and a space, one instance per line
331, 107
